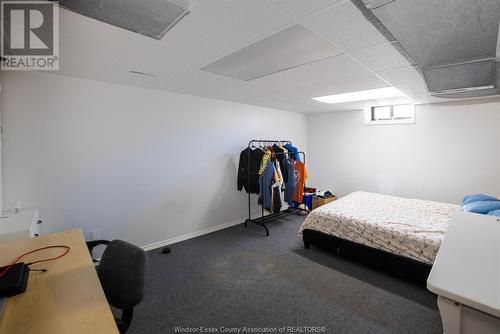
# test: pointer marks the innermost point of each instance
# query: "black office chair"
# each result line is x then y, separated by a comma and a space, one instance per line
122, 271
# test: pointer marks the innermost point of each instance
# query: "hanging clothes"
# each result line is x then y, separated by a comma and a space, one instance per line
290, 185
294, 152
277, 188
275, 173
265, 159
300, 172
281, 156
248, 169
265, 183
276, 199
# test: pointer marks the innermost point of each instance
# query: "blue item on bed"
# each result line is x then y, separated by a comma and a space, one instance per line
477, 198
482, 204
494, 213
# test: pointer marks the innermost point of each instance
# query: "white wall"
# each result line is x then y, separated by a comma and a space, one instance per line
141, 165
452, 150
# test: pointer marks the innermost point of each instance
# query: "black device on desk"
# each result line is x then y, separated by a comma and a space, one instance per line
14, 277
15, 280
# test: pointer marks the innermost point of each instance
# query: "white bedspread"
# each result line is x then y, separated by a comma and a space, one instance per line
409, 227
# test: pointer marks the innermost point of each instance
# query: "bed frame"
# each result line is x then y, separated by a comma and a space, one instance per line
410, 269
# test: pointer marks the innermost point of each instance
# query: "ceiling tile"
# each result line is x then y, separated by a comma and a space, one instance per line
299, 98
86, 46
402, 76
206, 84
149, 62
418, 93
301, 8
126, 78
369, 103
334, 69
190, 50
347, 84
274, 103
302, 91
176, 53
345, 26
232, 24
381, 58
286, 49
354, 84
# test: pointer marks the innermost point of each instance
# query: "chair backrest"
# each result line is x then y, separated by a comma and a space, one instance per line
123, 274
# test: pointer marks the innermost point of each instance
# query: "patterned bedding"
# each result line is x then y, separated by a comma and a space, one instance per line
409, 227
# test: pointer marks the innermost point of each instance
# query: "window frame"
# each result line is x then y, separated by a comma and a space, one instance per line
369, 114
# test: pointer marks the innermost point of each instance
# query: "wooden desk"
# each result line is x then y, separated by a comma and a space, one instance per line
68, 298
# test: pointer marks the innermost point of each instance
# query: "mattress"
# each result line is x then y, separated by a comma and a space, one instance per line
408, 227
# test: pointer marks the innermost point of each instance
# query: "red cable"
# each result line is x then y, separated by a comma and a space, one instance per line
67, 249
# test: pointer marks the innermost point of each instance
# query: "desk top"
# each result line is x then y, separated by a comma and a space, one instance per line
467, 266
68, 298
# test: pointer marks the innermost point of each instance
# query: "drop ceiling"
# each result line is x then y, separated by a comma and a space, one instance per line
359, 57
284, 50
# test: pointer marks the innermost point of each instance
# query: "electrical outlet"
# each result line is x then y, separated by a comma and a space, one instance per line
94, 235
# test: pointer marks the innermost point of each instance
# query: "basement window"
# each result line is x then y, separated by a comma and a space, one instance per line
395, 114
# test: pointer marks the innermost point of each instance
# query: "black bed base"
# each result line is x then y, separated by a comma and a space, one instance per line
412, 270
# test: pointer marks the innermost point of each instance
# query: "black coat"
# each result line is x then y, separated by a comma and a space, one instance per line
281, 157
248, 170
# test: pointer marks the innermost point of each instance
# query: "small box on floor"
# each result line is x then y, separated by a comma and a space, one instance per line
318, 201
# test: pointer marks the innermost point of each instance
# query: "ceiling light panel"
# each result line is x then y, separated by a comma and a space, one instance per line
289, 48
372, 94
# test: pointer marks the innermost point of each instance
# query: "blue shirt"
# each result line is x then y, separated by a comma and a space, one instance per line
293, 150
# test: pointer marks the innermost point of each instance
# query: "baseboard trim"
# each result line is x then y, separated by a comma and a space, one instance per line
191, 235
199, 233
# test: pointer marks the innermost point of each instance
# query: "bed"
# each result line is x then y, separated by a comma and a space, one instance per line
396, 234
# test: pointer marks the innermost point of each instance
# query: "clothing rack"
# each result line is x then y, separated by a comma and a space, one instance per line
272, 216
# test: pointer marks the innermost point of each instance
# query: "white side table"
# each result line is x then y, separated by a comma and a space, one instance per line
23, 224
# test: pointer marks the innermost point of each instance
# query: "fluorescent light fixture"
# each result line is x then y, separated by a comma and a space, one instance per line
363, 95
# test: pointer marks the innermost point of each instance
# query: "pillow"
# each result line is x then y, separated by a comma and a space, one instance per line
494, 213
478, 197
482, 207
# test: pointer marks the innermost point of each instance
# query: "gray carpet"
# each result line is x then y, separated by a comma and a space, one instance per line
237, 277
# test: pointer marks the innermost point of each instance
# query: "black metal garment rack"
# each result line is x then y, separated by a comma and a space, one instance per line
272, 216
